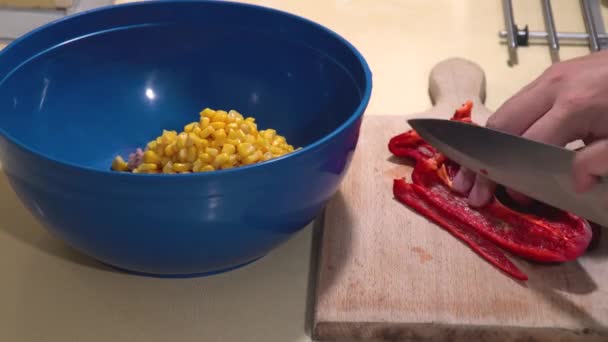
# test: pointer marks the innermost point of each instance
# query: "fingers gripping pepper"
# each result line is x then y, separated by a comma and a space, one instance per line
547, 234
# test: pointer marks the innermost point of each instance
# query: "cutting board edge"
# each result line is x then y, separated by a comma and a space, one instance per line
434, 331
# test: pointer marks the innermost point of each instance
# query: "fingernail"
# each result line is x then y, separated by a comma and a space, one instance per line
462, 182
479, 195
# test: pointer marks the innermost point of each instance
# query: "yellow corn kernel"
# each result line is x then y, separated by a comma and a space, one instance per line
197, 130
207, 112
147, 167
170, 149
220, 135
119, 164
245, 128
268, 134
213, 152
276, 150
207, 131
149, 171
192, 154
245, 149
197, 165
181, 140
205, 158
165, 160
228, 149
237, 134
260, 141
168, 168
250, 119
234, 158
182, 155
168, 136
220, 116
152, 145
250, 138
221, 159
233, 115
218, 125
232, 126
200, 143
181, 167
204, 122
207, 168
191, 140
233, 134
151, 157
159, 150
204, 144
267, 156
190, 127
215, 144
253, 128
233, 142
252, 158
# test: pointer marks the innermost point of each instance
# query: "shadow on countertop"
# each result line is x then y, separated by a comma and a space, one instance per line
19, 224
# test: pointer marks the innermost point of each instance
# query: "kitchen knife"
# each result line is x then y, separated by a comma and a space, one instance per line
540, 171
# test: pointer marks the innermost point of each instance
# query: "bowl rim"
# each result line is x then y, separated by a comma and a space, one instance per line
355, 115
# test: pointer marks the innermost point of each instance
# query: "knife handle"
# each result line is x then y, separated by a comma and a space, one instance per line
452, 82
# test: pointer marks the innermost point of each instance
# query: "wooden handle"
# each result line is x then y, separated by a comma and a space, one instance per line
452, 82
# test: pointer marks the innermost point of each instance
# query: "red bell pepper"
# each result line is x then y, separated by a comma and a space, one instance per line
544, 234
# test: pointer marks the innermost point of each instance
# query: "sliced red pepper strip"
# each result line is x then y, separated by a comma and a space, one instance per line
464, 113
406, 194
546, 234
411, 145
555, 236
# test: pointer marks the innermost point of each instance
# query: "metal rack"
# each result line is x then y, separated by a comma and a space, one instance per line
595, 37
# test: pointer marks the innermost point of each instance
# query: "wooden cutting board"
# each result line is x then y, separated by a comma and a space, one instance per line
37, 3
386, 273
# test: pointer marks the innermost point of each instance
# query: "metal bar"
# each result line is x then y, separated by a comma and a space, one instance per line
594, 44
596, 14
550, 26
511, 28
560, 35
509, 22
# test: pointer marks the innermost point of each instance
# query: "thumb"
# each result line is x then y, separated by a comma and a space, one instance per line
589, 163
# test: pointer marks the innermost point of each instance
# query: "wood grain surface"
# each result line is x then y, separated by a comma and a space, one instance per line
387, 273
37, 3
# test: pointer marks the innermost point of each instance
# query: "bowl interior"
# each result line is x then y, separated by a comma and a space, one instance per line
83, 100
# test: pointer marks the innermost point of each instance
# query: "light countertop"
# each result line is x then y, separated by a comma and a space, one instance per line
51, 293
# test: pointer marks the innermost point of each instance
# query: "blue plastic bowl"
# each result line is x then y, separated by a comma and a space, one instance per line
79, 91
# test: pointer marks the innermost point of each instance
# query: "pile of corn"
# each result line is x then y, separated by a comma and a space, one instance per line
220, 140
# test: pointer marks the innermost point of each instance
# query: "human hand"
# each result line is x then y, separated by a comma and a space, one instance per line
569, 101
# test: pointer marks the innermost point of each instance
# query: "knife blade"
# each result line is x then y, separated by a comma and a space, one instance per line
538, 170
